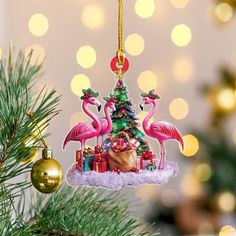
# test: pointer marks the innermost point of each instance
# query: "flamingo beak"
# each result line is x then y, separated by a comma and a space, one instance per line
141, 106
99, 107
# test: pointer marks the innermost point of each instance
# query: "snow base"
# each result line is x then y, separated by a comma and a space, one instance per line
112, 180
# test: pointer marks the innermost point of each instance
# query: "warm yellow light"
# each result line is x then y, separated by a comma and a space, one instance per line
0, 54
179, 3
203, 172
42, 125
190, 186
226, 201
147, 80
224, 12
93, 17
183, 69
234, 136
146, 192
227, 230
38, 54
169, 198
38, 24
226, 99
78, 83
191, 145
78, 117
179, 108
86, 56
134, 44
145, 8
181, 35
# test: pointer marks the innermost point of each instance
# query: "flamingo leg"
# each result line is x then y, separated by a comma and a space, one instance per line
82, 158
97, 140
102, 140
162, 156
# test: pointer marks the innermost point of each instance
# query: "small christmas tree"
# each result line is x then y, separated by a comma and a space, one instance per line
124, 119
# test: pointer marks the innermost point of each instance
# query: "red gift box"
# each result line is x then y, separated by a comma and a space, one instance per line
100, 165
146, 156
120, 142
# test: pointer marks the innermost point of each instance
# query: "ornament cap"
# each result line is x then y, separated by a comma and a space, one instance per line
47, 153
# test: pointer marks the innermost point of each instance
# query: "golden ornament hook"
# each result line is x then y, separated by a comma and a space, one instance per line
31, 116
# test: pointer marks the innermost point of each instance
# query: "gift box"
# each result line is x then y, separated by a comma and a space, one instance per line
100, 165
145, 159
134, 143
120, 142
151, 166
88, 159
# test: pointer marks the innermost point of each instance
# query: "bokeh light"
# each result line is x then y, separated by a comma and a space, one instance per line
179, 3
234, 136
227, 230
190, 186
206, 228
169, 197
78, 83
179, 108
183, 69
38, 24
78, 117
93, 17
147, 80
134, 44
224, 12
203, 172
226, 201
226, 99
145, 8
181, 35
191, 145
146, 192
86, 56
38, 54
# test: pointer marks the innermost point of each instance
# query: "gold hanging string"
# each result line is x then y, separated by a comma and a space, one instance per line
120, 52
31, 116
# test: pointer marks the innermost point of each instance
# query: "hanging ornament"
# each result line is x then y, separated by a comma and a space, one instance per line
46, 173
124, 159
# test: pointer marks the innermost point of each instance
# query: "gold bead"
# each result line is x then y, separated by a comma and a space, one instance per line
46, 173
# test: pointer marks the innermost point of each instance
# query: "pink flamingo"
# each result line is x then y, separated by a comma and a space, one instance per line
83, 131
160, 130
106, 121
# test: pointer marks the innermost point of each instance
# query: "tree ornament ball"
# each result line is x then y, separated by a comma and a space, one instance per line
46, 173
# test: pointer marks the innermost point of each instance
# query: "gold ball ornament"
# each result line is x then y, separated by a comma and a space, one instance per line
46, 173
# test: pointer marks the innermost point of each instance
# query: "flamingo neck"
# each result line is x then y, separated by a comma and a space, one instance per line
108, 117
92, 116
149, 116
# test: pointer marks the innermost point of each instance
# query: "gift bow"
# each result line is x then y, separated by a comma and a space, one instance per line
88, 151
147, 155
98, 149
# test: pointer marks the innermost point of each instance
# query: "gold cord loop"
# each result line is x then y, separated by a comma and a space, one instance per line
120, 52
31, 116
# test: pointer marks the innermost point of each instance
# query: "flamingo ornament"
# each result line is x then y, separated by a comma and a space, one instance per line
83, 131
160, 130
106, 122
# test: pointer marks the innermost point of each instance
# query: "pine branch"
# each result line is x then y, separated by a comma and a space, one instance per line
17, 76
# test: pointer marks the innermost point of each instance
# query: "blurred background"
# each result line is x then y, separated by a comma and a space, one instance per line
186, 50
